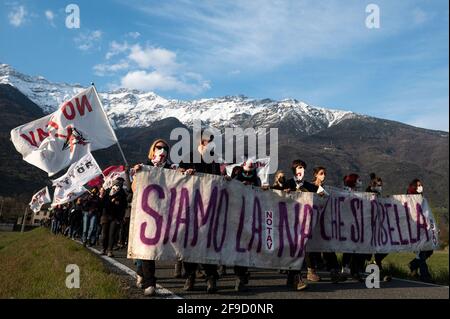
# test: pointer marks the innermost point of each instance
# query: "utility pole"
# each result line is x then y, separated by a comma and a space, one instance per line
24, 218
1, 208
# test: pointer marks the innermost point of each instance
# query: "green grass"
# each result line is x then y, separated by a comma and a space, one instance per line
397, 265
33, 265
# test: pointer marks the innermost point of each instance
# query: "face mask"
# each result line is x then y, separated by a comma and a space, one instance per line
282, 180
378, 189
114, 190
420, 189
160, 155
203, 148
299, 173
358, 183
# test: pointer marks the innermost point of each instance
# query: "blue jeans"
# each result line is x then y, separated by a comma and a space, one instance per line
89, 227
55, 226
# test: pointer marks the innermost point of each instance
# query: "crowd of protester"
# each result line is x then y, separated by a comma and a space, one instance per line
101, 217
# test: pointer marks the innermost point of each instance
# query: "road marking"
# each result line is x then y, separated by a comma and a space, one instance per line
162, 292
419, 282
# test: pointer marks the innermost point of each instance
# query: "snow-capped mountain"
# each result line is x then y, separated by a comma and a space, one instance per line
133, 108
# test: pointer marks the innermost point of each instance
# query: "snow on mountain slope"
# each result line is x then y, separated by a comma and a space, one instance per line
133, 108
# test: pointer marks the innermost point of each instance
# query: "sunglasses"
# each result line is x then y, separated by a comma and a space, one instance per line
158, 147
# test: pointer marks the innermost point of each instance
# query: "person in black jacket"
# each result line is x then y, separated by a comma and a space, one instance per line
248, 176
298, 184
115, 206
190, 166
75, 219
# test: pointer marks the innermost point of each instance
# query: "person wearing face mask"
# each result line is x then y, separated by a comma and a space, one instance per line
376, 187
248, 176
350, 261
209, 166
298, 184
330, 258
419, 264
158, 156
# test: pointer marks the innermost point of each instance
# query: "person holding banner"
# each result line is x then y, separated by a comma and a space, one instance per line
189, 166
376, 187
157, 157
298, 184
330, 258
279, 182
248, 176
420, 262
351, 262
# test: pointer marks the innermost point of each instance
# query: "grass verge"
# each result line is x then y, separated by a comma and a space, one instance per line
33, 265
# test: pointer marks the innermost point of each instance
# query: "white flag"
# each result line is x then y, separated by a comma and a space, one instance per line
40, 198
77, 175
78, 127
62, 195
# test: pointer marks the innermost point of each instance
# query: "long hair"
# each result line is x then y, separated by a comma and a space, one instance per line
297, 162
277, 177
350, 180
316, 171
374, 180
151, 151
412, 188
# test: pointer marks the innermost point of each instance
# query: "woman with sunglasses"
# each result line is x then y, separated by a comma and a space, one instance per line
158, 156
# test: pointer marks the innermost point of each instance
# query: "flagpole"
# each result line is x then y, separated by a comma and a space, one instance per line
23, 219
110, 127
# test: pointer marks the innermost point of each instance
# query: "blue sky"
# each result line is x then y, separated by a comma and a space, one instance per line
320, 52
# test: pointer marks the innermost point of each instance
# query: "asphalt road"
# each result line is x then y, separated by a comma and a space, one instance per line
269, 284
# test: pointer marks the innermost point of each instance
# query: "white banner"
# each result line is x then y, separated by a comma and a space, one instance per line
364, 223
77, 175
40, 198
53, 142
205, 219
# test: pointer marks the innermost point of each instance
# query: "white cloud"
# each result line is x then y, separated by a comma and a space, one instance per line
157, 58
50, 17
105, 69
145, 67
155, 80
88, 40
265, 34
17, 16
116, 48
134, 35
